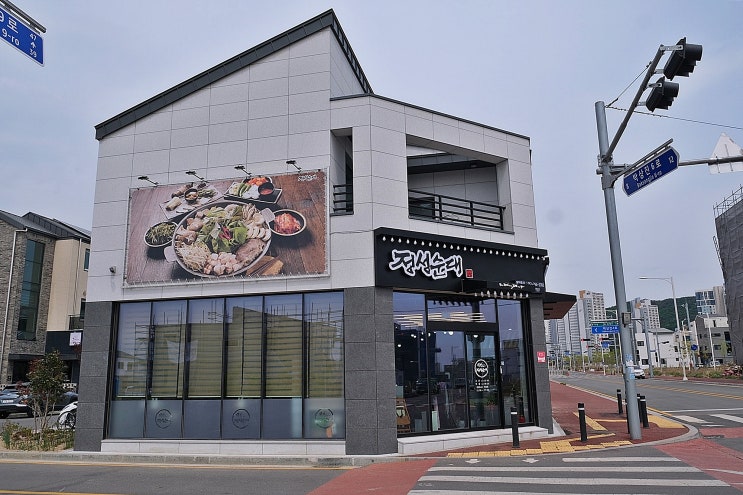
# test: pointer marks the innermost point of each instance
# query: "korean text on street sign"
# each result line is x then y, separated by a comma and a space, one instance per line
651, 171
21, 37
604, 327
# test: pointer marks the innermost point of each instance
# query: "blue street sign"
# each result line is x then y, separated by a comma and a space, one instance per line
21, 37
604, 327
694, 347
651, 171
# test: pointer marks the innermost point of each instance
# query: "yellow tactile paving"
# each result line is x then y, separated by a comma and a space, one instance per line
662, 422
592, 423
548, 447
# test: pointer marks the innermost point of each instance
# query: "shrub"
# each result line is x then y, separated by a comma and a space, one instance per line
17, 437
46, 380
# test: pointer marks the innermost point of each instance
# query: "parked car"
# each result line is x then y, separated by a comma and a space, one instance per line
13, 403
14, 387
638, 371
422, 386
66, 399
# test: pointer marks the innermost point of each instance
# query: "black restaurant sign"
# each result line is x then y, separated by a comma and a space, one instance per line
413, 260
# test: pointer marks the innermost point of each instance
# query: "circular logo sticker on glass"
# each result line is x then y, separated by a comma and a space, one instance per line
163, 418
324, 418
241, 418
481, 368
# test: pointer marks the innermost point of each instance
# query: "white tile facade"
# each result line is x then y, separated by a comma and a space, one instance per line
305, 103
284, 107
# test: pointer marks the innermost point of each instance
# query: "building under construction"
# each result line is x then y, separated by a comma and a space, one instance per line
729, 225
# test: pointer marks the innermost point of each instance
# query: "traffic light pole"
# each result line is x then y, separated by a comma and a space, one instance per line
627, 358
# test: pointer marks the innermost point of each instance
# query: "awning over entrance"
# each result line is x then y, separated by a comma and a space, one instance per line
557, 305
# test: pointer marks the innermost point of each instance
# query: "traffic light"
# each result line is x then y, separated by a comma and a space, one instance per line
682, 62
662, 94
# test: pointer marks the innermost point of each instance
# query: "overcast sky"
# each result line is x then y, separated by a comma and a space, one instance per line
531, 67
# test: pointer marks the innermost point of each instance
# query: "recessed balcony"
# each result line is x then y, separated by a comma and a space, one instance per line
455, 211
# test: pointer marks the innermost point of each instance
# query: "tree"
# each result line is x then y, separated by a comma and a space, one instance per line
45, 381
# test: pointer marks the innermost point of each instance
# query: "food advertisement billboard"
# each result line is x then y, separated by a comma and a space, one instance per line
249, 226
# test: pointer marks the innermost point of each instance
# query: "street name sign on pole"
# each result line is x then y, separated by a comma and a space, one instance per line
604, 327
21, 37
650, 171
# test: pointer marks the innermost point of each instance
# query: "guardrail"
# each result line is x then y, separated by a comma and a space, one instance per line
424, 205
343, 199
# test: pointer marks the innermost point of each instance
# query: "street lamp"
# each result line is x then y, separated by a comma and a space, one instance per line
676, 310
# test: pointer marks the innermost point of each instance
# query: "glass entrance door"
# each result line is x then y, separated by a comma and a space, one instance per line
483, 380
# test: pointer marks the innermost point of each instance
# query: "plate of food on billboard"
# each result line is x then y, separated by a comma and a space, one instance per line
257, 226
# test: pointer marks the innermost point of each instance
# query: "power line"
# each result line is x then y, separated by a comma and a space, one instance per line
628, 86
679, 118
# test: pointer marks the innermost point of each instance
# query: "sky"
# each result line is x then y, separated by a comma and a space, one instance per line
535, 68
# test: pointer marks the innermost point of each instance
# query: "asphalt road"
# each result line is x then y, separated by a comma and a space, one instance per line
711, 464
701, 404
37, 478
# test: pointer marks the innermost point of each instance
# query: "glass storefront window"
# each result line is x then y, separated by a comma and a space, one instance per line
205, 317
244, 351
284, 345
169, 327
461, 310
130, 367
411, 373
484, 403
323, 408
449, 394
235, 368
459, 362
204, 365
126, 413
513, 360
323, 314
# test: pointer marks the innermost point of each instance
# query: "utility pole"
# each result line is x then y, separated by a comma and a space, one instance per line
626, 354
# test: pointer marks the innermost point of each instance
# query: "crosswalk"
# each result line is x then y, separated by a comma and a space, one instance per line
708, 420
648, 475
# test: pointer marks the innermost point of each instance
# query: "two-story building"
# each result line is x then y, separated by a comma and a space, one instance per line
43, 273
285, 262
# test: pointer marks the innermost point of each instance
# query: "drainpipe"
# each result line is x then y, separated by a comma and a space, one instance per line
77, 277
7, 304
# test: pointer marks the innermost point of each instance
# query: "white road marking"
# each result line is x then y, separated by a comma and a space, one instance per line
619, 459
604, 469
573, 481
729, 417
479, 492
704, 410
690, 419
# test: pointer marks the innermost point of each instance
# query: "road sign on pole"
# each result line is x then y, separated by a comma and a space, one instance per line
650, 171
21, 37
604, 327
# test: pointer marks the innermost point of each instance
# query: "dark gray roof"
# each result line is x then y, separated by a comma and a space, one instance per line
236, 63
46, 226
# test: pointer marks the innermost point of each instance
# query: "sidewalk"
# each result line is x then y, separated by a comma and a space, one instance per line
605, 427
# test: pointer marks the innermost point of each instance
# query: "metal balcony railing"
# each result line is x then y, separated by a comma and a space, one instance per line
457, 211
343, 199
77, 322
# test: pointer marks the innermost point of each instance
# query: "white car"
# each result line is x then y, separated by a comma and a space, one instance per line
638, 371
